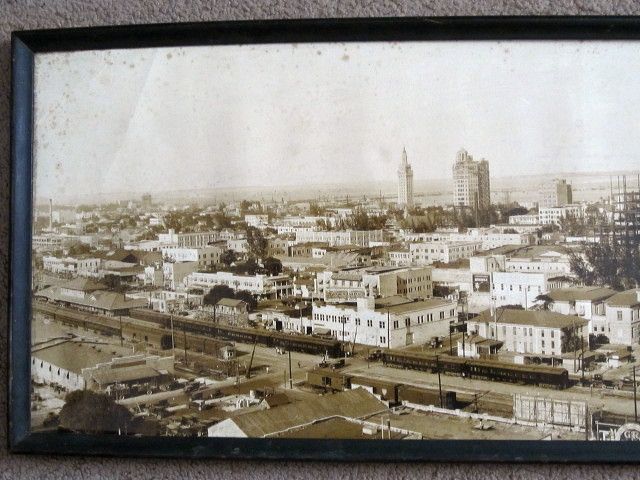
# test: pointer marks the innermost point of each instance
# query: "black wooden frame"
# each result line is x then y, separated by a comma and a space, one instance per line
26, 44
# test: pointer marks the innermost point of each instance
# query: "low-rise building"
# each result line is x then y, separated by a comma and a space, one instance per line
257, 220
362, 238
168, 301
623, 317
586, 302
548, 262
553, 215
426, 253
261, 286
83, 266
528, 219
129, 375
522, 288
539, 336
190, 239
87, 295
206, 256
62, 363
238, 245
392, 322
348, 284
286, 419
175, 273
233, 308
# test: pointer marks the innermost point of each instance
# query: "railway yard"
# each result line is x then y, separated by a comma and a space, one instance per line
274, 362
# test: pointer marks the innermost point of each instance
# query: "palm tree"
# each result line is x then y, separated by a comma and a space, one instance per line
546, 300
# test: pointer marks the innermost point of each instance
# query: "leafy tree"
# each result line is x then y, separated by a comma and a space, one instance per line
79, 248
361, 220
250, 267
272, 266
322, 224
221, 220
546, 301
608, 263
247, 297
517, 211
217, 293
256, 243
316, 210
228, 257
85, 411
571, 341
442, 291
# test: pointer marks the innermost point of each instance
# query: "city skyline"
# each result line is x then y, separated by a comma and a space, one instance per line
340, 114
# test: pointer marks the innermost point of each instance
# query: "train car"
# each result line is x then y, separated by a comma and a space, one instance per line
296, 343
104, 325
540, 375
475, 368
148, 333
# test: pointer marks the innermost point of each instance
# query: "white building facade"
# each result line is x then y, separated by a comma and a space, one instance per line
394, 326
405, 182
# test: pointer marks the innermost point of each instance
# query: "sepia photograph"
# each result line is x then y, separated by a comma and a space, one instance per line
412, 240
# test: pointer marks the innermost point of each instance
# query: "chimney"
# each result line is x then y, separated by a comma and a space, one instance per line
50, 215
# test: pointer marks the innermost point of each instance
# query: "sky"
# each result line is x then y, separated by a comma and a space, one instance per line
150, 120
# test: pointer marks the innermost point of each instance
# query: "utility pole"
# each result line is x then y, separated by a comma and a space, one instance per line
344, 350
439, 381
184, 337
635, 396
290, 372
173, 340
450, 342
582, 358
465, 307
121, 338
388, 328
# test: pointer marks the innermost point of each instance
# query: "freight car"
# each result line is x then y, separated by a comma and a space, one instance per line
103, 325
296, 343
482, 369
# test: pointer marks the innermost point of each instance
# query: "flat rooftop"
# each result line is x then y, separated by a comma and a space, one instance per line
533, 318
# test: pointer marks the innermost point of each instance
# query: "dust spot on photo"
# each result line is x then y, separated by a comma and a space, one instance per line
345, 58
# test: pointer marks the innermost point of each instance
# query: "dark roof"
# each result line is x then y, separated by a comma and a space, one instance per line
628, 298
100, 299
416, 306
230, 302
122, 255
580, 293
83, 284
74, 356
534, 318
276, 400
356, 403
480, 340
110, 376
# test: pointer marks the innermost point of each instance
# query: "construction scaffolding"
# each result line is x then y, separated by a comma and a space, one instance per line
624, 203
550, 412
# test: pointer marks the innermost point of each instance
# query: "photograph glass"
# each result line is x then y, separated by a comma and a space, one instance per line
343, 241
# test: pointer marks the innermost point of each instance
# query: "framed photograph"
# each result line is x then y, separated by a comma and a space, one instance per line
375, 239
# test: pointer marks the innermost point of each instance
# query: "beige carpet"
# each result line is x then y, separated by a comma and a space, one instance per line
16, 15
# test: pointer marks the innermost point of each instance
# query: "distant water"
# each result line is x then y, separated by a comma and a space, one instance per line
586, 187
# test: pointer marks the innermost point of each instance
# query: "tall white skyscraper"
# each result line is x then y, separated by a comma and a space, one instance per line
405, 182
471, 184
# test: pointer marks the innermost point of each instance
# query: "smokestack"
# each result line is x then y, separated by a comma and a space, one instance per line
50, 215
